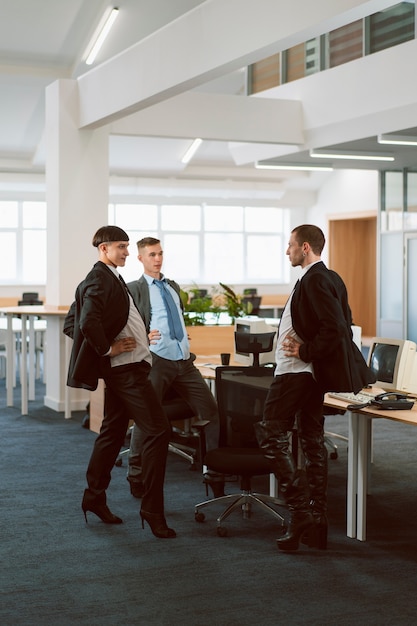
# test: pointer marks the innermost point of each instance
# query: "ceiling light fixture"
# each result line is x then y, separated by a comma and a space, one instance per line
355, 156
100, 35
305, 168
398, 140
191, 150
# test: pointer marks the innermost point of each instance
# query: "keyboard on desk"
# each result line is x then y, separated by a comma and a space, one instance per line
353, 398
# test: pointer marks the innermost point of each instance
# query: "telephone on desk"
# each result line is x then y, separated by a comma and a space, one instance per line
387, 401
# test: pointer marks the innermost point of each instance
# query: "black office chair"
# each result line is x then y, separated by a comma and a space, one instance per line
254, 343
250, 291
199, 293
241, 393
253, 302
29, 298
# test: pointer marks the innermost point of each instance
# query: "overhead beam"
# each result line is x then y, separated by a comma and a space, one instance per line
215, 38
218, 117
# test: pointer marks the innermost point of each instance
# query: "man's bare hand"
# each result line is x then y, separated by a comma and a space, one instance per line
154, 336
291, 347
126, 344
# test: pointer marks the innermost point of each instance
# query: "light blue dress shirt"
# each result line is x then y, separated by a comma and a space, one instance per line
167, 348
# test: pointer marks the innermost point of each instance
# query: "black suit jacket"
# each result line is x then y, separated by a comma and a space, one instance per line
98, 314
321, 317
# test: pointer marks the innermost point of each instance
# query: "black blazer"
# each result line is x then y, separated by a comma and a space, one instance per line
98, 314
321, 317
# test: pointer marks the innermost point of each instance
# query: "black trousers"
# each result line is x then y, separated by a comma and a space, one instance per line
189, 383
129, 395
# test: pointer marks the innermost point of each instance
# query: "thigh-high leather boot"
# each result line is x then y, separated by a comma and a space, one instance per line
275, 444
315, 455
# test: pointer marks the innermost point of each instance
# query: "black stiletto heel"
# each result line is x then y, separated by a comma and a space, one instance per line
101, 510
158, 525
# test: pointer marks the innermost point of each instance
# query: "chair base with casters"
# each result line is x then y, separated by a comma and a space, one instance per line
241, 392
242, 501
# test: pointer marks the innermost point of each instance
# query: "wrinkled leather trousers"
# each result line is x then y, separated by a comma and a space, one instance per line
291, 397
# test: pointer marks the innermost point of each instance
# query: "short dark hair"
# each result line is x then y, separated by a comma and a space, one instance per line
312, 235
147, 241
109, 233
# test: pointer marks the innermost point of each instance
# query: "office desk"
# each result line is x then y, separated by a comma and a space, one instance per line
359, 456
28, 315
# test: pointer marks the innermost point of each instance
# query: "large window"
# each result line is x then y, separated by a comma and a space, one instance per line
23, 242
208, 244
203, 244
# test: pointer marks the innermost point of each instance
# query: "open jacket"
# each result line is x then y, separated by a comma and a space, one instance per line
98, 314
322, 319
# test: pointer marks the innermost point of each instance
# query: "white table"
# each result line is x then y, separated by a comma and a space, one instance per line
359, 459
28, 315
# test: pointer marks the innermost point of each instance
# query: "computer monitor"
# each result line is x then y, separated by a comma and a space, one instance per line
394, 364
254, 325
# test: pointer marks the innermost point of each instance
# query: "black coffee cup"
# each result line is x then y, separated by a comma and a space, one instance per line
225, 358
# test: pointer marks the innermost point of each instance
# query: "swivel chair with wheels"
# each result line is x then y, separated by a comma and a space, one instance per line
241, 392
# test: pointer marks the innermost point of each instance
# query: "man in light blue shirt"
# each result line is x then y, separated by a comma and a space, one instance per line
159, 303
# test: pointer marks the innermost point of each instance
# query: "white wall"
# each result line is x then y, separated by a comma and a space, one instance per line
345, 192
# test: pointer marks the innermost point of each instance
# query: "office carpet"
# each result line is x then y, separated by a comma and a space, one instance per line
55, 569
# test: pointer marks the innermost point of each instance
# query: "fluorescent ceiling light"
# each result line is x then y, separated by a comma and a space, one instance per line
305, 168
355, 156
100, 35
191, 150
398, 140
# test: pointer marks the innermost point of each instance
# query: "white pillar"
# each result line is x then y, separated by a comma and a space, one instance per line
77, 182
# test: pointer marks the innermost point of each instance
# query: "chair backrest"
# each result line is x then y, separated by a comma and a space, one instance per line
250, 291
255, 303
241, 392
199, 293
29, 298
254, 343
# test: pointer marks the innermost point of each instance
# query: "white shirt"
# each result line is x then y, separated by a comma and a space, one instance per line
134, 328
290, 364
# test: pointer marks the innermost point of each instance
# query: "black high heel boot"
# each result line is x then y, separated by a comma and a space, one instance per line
300, 523
317, 535
101, 510
158, 525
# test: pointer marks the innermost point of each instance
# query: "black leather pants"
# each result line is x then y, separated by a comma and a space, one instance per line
294, 396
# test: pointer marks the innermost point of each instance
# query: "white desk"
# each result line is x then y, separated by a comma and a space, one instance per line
39, 326
359, 457
27, 315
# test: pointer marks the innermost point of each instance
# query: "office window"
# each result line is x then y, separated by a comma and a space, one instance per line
391, 27
23, 242
8, 271
208, 243
345, 44
264, 74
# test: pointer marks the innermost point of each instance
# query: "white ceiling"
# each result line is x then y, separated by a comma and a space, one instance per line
45, 40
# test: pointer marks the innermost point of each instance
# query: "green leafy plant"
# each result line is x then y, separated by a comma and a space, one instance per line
196, 307
235, 306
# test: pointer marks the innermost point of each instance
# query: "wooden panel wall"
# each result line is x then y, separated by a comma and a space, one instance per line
352, 253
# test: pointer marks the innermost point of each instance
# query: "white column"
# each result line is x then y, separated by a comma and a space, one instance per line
77, 181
